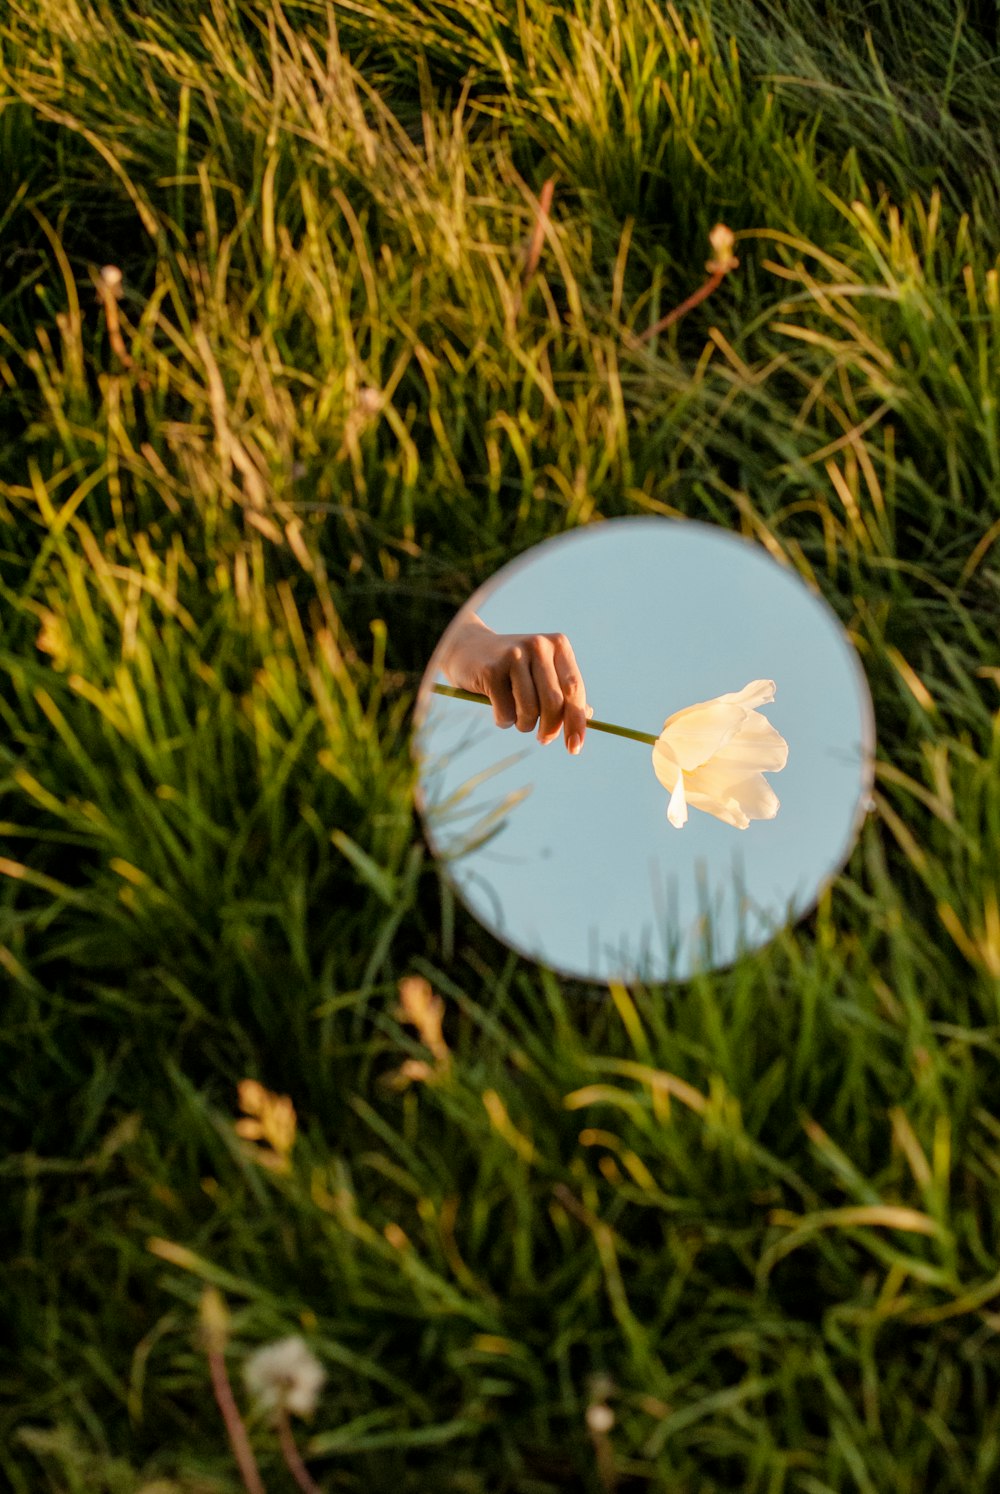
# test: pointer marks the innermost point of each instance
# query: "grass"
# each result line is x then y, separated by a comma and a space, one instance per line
755, 1215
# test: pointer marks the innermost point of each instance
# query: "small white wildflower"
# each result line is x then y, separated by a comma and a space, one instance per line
111, 278
285, 1376
600, 1420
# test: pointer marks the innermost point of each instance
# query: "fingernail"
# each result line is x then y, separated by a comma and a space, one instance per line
575, 743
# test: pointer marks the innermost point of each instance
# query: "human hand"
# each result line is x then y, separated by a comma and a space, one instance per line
531, 679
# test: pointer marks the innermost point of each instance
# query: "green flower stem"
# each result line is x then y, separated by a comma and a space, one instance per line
608, 726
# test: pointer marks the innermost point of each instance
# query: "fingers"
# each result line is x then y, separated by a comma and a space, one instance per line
533, 682
498, 688
575, 709
525, 703
552, 701
536, 681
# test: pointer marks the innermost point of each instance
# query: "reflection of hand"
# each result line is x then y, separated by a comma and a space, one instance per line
529, 678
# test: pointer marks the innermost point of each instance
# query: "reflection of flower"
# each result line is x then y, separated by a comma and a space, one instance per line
710, 755
713, 756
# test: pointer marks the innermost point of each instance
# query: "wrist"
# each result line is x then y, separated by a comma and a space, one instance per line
470, 631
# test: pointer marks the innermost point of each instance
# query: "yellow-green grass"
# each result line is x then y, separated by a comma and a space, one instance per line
240, 495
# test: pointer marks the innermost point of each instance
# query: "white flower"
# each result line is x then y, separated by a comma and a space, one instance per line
600, 1419
712, 756
285, 1376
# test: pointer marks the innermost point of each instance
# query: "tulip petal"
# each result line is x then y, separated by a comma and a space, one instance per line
752, 794
757, 693
757, 746
729, 814
757, 798
665, 765
699, 732
677, 808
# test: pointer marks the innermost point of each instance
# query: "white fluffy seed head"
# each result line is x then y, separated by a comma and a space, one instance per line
285, 1376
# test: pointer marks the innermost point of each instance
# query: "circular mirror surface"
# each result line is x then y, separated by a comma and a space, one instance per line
600, 865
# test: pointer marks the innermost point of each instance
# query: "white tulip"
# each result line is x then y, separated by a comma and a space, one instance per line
712, 756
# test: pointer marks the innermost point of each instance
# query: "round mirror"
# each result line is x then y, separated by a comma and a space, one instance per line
725, 770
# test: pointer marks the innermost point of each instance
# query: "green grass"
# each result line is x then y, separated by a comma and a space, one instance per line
224, 561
